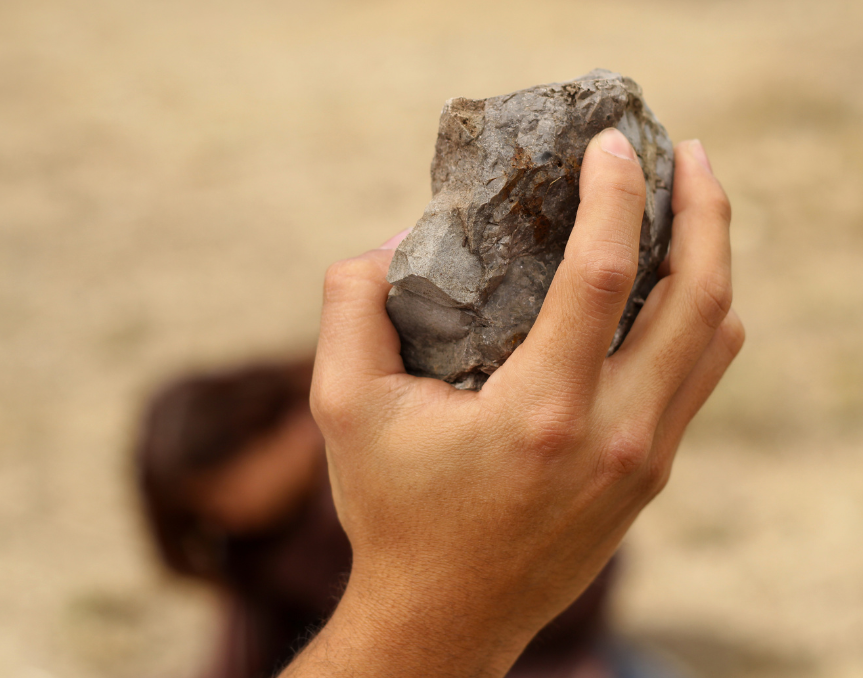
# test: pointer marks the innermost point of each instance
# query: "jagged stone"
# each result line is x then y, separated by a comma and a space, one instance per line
469, 280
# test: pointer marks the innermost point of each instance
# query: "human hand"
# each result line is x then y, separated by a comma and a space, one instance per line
476, 517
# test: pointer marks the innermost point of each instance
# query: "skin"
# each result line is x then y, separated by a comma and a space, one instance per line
476, 517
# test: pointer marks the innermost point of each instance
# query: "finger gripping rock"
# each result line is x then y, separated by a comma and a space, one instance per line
469, 280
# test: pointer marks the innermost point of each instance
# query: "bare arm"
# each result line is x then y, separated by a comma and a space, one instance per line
477, 517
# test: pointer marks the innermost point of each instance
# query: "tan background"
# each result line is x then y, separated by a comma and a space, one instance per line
175, 176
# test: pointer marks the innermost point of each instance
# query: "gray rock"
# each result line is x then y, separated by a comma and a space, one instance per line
469, 280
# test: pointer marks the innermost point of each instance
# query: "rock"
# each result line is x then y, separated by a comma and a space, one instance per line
469, 280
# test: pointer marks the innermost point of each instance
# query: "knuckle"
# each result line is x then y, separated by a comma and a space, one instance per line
607, 274
624, 456
712, 299
317, 401
331, 408
623, 200
657, 472
733, 334
628, 189
344, 276
718, 204
547, 433
625, 181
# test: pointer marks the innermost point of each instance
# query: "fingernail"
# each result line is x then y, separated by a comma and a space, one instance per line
697, 149
393, 242
612, 141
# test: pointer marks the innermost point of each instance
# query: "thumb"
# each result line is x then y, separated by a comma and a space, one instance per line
357, 342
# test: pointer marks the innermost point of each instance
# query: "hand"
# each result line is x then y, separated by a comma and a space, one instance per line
476, 517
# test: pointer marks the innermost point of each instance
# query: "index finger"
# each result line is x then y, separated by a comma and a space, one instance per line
565, 349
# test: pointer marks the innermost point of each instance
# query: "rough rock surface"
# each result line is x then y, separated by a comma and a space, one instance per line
469, 280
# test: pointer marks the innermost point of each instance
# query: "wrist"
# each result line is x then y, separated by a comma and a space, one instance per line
383, 626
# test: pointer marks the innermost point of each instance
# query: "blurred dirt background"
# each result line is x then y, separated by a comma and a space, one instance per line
175, 176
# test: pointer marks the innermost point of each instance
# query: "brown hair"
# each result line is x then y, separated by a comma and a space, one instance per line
197, 423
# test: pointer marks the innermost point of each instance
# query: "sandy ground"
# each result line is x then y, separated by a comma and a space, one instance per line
175, 175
